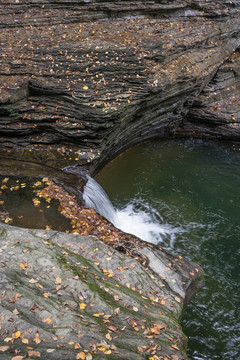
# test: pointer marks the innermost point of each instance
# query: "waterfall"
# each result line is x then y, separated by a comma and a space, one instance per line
95, 197
136, 222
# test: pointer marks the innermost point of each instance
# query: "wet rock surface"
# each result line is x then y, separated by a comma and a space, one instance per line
107, 75
65, 296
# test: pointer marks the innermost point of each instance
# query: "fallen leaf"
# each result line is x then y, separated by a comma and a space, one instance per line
46, 294
162, 302
85, 87
25, 341
50, 350
82, 305
135, 308
7, 339
112, 328
33, 353
17, 296
4, 348
81, 356
36, 338
47, 320
15, 311
17, 334
19, 357
33, 281
23, 265
58, 280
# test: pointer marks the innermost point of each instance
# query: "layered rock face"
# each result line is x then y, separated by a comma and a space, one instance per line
107, 75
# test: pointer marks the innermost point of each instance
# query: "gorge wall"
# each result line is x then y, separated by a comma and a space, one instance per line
106, 75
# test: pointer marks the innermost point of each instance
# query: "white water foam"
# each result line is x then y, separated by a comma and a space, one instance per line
129, 219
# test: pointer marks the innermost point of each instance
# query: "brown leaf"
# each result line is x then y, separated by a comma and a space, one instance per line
19, 357
12, 300
133, 322
112, 328
33, 353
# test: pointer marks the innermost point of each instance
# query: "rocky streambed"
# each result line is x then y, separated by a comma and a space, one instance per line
80, 82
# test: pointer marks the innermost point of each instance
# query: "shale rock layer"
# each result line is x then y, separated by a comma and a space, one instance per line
107, 75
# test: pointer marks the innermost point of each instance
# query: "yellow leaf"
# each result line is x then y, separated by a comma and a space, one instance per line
82, 305
107, 352
25, 341
17, 334
85, 87
23, 265
102, 348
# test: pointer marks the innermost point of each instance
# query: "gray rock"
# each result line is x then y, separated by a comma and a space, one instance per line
63, 294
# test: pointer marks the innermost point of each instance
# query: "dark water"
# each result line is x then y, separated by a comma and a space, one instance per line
192, 188
21, 206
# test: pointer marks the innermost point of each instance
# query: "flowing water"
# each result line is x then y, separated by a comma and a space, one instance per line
185, 195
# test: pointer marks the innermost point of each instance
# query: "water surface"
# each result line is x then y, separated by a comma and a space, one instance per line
185, 195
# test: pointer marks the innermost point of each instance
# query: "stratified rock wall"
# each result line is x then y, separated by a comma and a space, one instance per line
107, 75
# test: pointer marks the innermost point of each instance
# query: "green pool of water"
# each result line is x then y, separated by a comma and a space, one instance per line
192, 188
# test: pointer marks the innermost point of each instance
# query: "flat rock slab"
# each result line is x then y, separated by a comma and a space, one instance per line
65, 296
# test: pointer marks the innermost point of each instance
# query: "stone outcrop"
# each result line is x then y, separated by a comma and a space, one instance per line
66, 296
80, 82
107, 75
